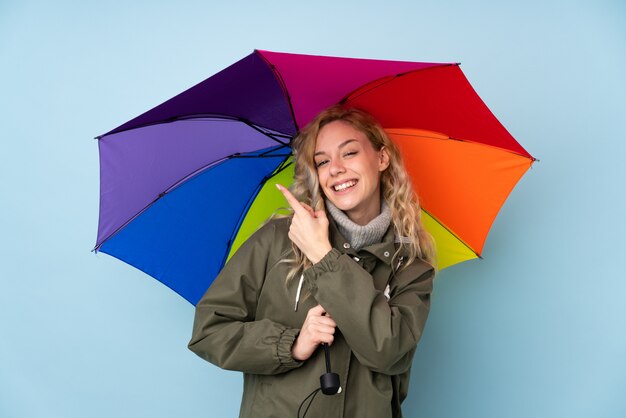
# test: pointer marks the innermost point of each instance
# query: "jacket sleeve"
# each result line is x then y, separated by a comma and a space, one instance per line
382, 334
226, 332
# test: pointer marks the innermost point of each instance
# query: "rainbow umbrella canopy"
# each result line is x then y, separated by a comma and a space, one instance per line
185, 183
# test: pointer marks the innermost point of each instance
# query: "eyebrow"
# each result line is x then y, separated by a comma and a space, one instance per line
343, 144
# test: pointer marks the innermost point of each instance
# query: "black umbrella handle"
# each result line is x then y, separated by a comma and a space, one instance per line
327, 357
329, 381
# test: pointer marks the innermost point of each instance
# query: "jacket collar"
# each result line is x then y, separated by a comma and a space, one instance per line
383, 250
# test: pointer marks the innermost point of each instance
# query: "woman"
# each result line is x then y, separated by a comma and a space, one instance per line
352, 267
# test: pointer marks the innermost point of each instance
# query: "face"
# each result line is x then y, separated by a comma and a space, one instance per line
349, 170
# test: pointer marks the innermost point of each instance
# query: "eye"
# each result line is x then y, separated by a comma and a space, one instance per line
319, 164
350, 153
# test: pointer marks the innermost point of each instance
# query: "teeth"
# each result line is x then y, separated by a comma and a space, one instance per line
344, 186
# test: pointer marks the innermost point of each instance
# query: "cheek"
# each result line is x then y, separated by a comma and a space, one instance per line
321, 177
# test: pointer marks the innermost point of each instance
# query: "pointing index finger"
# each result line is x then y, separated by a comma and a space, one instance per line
293, 202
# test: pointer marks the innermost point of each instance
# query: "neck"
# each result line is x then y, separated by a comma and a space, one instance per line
364, 217
361, 236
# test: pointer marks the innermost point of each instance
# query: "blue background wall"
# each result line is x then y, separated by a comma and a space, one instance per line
536, 329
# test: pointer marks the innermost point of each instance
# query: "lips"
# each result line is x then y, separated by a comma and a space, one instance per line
344, 185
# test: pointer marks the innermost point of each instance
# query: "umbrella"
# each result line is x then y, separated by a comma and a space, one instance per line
185, 183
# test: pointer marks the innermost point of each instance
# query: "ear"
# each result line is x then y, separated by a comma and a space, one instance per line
383, 161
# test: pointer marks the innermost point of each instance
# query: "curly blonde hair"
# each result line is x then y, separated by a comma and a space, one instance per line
396, 187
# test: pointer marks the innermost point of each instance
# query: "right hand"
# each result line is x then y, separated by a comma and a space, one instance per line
315, 330
308, 229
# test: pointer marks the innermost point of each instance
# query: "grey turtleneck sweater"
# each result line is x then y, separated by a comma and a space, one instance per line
361, 236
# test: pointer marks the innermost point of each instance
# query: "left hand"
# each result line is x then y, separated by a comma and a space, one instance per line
317, 328
309, 228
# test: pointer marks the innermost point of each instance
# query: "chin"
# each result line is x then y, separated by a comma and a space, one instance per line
344, 206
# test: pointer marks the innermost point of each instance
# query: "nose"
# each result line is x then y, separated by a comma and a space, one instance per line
336, 167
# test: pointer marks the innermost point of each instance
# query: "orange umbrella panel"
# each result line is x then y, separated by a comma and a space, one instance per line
461, 184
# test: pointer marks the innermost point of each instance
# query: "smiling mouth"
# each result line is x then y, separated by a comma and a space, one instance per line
344, 186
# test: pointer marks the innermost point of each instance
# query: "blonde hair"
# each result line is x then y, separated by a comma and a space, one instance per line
396, 187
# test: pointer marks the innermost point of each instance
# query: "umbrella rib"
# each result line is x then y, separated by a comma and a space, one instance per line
272, 136
451, 233
187, 177
265, 154
251, 199
384, 80
281, 167
482, 144
283, 87
132, 218
467, 141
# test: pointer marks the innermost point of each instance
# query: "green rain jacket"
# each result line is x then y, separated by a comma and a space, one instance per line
247, 321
